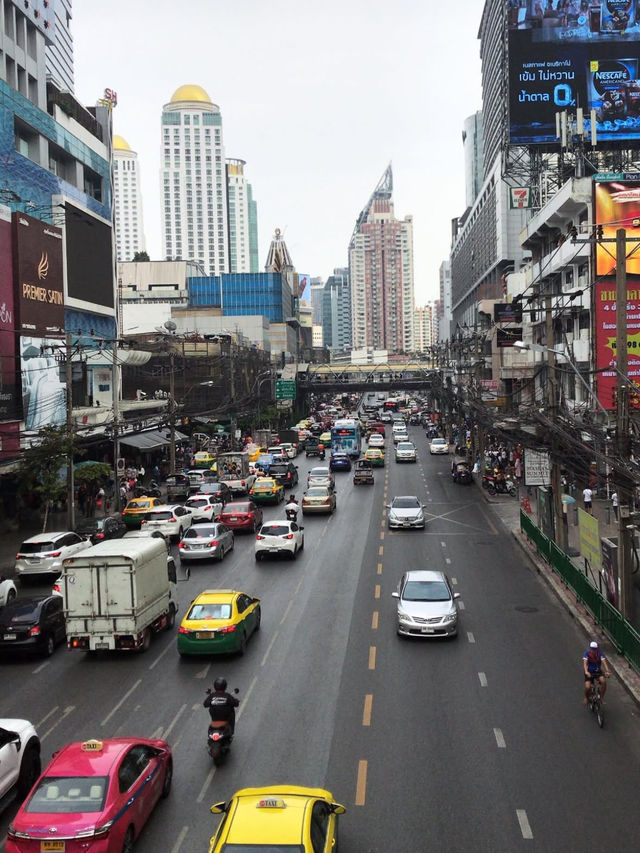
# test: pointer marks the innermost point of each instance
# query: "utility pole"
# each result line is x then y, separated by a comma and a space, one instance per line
560, 531
71, 509
115, 387
172, 412
624, 485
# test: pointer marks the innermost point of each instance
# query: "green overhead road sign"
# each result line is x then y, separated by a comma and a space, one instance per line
285, 389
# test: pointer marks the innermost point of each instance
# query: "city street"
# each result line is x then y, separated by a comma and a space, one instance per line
479, 743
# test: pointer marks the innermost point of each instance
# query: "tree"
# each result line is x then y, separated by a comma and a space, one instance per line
42, 468
141, 256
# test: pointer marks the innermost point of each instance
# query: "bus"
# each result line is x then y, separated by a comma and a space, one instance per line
346, 437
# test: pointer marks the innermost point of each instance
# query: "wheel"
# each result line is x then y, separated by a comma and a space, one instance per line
258, 619
233, 543
221, 555
599, 713
11, 595
294, 553
49, 646
491, 489
168, 777
146, 641
255, 527
127, 844
302, 544
171, 618
243, 643
29, 771
258, 556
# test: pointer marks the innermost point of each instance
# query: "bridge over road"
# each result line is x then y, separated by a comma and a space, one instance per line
336, 378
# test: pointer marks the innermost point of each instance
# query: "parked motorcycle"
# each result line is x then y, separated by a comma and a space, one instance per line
503, 486
219, 738
150, 491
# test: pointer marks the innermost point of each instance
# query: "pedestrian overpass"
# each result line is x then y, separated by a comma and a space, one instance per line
352, 378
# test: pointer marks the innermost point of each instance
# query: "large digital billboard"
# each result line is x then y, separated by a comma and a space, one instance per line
565, 54
617, 205
44, 395
90, 272
39, 285
9, 399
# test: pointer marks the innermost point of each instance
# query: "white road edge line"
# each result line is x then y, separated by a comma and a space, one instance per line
46, 717
161, 655
40, 668
167, 731
206, 784
461, 605
483, 679
502, 744
183, 832
121, 702
286, 612
266, 654
64, 714
454, 581
523, 820
470, 637
245, 698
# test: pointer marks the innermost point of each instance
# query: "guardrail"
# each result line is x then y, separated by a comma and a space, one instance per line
621, 633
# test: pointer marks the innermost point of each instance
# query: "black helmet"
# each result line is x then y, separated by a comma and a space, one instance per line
220, 684
292, 498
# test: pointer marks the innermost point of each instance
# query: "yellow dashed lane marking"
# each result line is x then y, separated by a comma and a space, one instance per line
382, 534
379, 568
374, 621
361, 784
376, 594
372, 657
381, 551
366, 714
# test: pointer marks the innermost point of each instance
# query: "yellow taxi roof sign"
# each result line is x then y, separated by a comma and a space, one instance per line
92, 746
271, 803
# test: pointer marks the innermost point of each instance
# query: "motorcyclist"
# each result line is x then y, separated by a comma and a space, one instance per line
292, 508
321, 450
221, 705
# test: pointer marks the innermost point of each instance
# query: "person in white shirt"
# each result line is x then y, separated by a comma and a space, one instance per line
587, 495
614, 504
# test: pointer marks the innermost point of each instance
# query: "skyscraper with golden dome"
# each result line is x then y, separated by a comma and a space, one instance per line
127, 199
194, 213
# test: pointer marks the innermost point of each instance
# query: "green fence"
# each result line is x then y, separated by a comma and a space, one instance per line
620, 632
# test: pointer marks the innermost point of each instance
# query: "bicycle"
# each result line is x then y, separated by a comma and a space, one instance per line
595, 701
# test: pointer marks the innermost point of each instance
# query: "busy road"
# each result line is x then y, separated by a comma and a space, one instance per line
474, 743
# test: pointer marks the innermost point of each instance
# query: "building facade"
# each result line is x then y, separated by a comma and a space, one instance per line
336, 311
381, 274
127, 198
423, 328
194, 213
59, 55
472, 144
317, 296
243, 220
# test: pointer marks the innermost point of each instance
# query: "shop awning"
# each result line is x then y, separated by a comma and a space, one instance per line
151, 440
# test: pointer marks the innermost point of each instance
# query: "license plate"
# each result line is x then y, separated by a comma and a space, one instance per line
51, 845
205, 635
102, 645
196, 547
9, 637
273, 550
233, 518
427, 630
33, 560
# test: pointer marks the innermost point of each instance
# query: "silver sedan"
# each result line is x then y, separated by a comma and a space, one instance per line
427, 605
206, 542
405, 511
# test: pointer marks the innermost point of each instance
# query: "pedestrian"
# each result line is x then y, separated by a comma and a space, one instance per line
614, 504
587, 495
518, 469
141, 473
100, 498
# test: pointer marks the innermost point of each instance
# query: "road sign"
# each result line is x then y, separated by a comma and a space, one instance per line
284, 404
285, 389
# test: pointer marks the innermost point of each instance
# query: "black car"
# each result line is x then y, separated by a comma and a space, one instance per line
284, 473
218, 490
33, 624
100, 529
178, 487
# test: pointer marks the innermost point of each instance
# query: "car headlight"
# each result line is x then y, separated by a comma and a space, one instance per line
451, 617
403, 616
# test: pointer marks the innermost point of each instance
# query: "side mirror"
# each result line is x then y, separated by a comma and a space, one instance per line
218, 808
456, 595
388, 506
235, 690
336, 808
301, 527
395, 595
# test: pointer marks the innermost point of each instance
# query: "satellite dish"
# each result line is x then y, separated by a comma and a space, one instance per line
170, 326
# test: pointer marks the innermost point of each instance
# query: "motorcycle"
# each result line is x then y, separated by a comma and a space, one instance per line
219, 738
150, 491
292, 514
501, 487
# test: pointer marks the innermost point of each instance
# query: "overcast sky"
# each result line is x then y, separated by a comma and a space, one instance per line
316, 97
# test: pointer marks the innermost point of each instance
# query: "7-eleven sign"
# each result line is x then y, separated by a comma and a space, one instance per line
519, 197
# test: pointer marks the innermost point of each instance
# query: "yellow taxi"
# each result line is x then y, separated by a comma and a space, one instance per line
205, 459
279, 817
325, 438
136, 510
375, 455
266, 490
218, 621
253, 452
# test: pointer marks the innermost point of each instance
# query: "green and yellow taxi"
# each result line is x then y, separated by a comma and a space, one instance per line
266, 490
204, 459
375, 455
218, 621
136, 510
325, 438
279, 817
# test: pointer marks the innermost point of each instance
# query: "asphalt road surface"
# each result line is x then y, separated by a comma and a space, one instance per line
479, 743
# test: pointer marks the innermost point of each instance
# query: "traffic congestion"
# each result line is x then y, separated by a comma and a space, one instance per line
217, 643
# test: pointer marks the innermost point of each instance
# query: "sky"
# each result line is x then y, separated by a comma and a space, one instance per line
317, 98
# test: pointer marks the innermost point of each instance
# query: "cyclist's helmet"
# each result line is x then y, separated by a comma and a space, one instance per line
220, 684
593, 645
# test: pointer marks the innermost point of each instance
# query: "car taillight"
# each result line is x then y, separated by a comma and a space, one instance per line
259, 536
242, 482
212, 543
143, 521
35, 631
288, 475
99, 535
181, 544
289, 536
102, 831
183, 630
327, 501
228, 629
173, 519
53, 554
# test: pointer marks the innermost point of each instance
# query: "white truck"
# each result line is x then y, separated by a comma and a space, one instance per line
117, 593
233, 469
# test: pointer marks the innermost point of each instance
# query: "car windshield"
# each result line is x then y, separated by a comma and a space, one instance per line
210, 611
278, 469
232, 509
68, 795
140, 504
176, 479
317, 492
274, 530
438, 441
405, 503
36, 547
426, 591
202, 530
405, 445
25, 611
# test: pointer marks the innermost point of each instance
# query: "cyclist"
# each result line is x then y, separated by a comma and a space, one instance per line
593, 662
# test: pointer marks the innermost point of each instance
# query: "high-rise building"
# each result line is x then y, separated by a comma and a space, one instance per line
127, 200
444, 303
493, 35
243, 219
317, 295
336, 311
24, 70
381, 274
423, 328
473, 157
193, 181
59, 55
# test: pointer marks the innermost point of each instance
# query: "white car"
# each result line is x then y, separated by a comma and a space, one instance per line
400, 435
278, 452
279, 537
438, 445
19, 757
289, 449
43, 554
405, 451
376, 440
204, 507
172, 520
8, 591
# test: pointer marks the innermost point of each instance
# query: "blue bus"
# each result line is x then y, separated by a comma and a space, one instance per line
346, 437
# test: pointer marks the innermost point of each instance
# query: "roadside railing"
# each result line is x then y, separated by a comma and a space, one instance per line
621, 633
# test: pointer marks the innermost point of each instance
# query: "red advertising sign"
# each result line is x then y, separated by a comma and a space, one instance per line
9, 399
606, 361
38, 275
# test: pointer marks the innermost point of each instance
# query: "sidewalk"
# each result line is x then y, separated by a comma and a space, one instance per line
508, 510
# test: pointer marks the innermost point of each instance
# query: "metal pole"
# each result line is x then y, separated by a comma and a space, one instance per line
624, 484
172, 412
560, 532
71, 509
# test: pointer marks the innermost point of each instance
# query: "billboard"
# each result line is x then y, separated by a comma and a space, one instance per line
90, 271
617, 205
606, 361
9, 398
39, 285
44, 396
565, 54
304, 287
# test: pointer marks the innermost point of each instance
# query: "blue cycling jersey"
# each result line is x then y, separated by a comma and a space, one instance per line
594, 661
